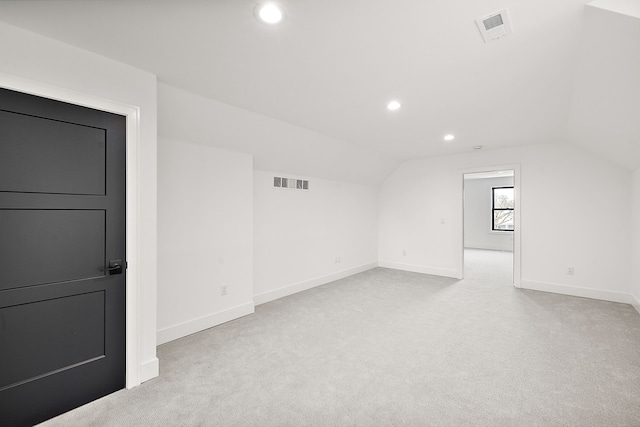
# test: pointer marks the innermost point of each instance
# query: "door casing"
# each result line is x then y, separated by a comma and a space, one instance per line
132, 113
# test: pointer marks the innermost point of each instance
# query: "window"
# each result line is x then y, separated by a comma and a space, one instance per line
502, 206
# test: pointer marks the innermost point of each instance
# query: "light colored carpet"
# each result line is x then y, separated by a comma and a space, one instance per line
391, 348
488, 268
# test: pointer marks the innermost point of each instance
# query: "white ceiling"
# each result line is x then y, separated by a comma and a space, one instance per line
332, 65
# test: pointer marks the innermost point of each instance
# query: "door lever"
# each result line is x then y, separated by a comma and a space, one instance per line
115, 267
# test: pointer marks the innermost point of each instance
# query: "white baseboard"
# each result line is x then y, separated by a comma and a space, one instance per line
491, 248
636, 303
149, 369
308, 284
578, 291
435, 271
201, 323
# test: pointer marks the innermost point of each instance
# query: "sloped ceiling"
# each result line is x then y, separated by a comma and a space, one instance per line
605, 107
332, 66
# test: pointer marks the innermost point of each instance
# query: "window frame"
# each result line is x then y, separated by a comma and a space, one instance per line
494, 209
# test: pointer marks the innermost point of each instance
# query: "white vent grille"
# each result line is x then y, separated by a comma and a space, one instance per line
495, 26
296, 184
492, 22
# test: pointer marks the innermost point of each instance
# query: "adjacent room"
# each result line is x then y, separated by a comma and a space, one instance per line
391, 212
489, 225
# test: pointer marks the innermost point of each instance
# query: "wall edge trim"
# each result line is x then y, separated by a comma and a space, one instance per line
636, 303
424, 269
149, 369
304, 285
578, 291
201, 323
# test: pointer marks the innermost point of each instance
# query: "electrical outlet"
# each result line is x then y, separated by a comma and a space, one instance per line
404, 253
570, 271
337, 260
223, 290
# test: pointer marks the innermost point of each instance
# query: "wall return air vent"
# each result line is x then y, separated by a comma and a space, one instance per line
296, 184
495, 26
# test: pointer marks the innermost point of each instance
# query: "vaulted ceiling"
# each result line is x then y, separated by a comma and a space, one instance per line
568, 73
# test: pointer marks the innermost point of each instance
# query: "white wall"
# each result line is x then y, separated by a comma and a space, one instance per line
48, 63
478, 215
205, 234
635, 230
299, 234
575, 212
333, 218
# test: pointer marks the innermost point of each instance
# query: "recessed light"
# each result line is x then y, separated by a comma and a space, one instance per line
393, 105
269, 13
449, 137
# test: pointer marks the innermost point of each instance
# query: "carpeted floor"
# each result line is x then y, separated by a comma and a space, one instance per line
488, 268
392, 348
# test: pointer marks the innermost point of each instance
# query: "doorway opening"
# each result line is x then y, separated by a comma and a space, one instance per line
490, 227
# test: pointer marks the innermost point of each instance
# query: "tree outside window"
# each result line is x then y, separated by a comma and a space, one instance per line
503, 205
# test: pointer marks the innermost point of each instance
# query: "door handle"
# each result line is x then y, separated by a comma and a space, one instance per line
115, 267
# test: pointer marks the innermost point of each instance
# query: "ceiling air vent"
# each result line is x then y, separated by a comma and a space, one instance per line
495, 26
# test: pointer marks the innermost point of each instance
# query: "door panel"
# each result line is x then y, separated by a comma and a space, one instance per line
70, 245
74, 322
64, 158
62, 219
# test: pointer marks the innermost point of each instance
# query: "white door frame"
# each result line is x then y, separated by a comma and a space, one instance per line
517, 211
132, 113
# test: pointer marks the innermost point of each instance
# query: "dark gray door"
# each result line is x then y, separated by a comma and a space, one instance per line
62, 226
